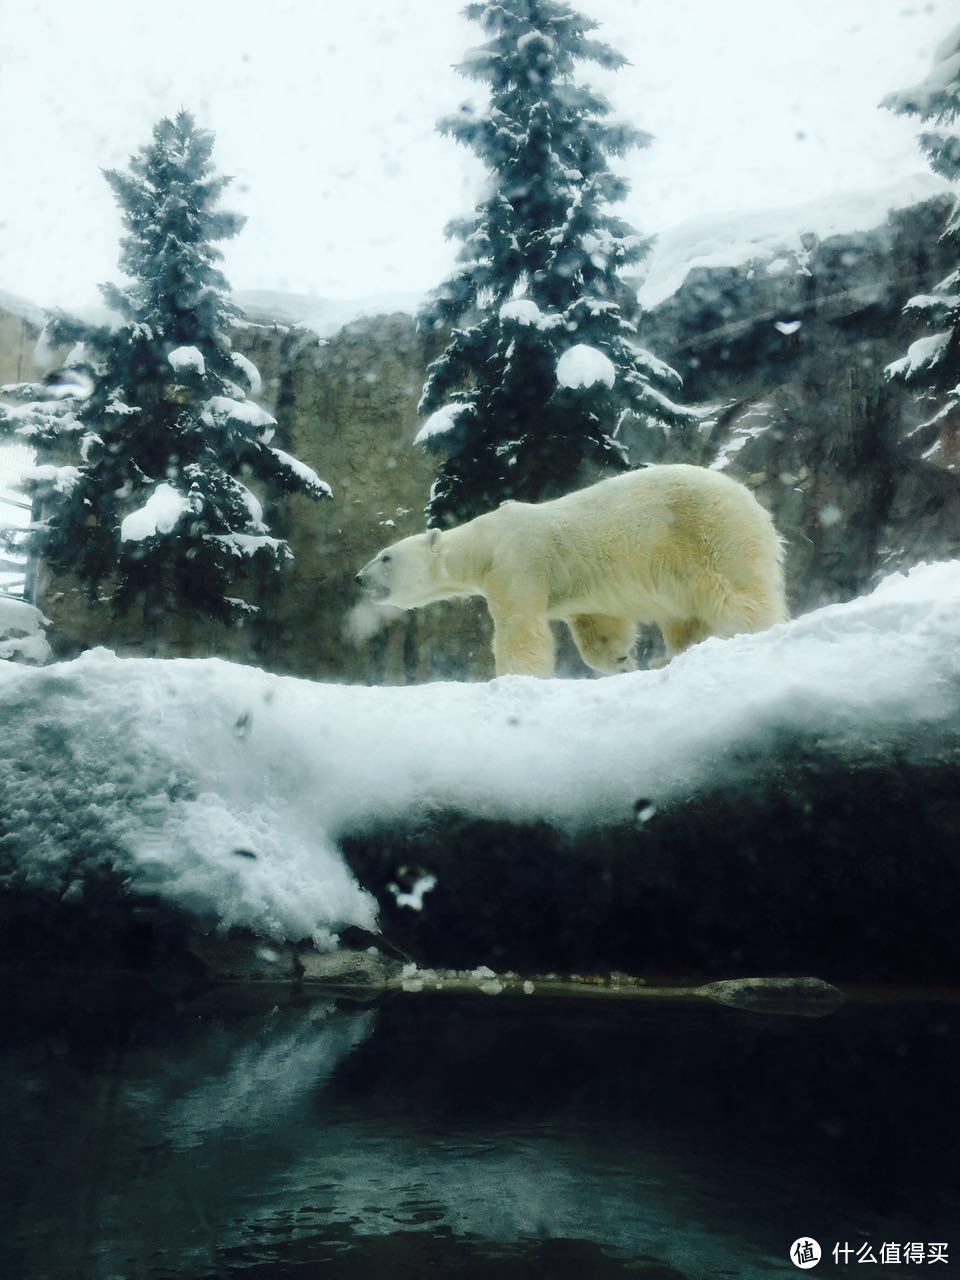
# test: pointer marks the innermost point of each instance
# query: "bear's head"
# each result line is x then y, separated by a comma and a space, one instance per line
407, 574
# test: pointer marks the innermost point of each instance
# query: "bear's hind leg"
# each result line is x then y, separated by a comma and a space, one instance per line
680, 634
605, 643
522, 645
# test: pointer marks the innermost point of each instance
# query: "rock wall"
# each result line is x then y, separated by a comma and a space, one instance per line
794, 359
347, 407
791, 354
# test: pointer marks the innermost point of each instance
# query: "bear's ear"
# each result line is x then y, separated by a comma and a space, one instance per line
433, 539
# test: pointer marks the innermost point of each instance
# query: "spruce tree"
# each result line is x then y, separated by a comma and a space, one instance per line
148, 432
543, 361
932, 362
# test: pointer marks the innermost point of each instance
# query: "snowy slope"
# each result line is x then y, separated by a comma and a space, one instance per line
226, 789
324, 316
763, 237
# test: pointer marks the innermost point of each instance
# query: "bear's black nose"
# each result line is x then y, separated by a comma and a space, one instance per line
359, 579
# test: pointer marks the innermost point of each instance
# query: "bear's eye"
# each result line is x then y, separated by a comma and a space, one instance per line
384, 559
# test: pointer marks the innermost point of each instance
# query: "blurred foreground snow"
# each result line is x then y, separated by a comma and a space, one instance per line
225, 789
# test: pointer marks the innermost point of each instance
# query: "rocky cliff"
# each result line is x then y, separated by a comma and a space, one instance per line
792, 352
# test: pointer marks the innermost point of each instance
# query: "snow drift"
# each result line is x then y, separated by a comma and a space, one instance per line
225, 790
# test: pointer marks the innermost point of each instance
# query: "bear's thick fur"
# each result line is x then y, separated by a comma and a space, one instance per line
683, 547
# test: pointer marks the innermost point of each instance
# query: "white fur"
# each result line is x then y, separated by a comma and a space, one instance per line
683, 547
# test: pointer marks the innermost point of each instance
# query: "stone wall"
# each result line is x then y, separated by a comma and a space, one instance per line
803, 415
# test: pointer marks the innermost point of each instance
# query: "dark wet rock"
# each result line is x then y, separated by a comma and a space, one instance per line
807, 866
811, 997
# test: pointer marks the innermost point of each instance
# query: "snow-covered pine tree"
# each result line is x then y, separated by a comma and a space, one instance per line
528, 396
932, 362
150, 421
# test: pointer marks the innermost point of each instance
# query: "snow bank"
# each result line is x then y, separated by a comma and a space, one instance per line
583, 366
226, 789
736, 239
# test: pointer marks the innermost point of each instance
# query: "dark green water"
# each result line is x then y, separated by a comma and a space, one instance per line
253, 1134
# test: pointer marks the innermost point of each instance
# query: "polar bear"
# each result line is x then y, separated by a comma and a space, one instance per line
680, 546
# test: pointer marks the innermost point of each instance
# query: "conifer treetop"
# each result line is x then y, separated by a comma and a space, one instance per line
545, 238
168, 201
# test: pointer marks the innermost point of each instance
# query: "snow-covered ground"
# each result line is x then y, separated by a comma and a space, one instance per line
226, 789
773, 238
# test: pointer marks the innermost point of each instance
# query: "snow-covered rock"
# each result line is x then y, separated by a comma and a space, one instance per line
229, 791
811, 996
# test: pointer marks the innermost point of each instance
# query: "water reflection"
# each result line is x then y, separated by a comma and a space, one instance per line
260, 1135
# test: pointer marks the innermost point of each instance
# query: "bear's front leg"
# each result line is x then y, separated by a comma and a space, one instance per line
605, 644
522, 644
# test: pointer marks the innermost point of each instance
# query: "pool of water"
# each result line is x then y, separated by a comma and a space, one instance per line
260, 1134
